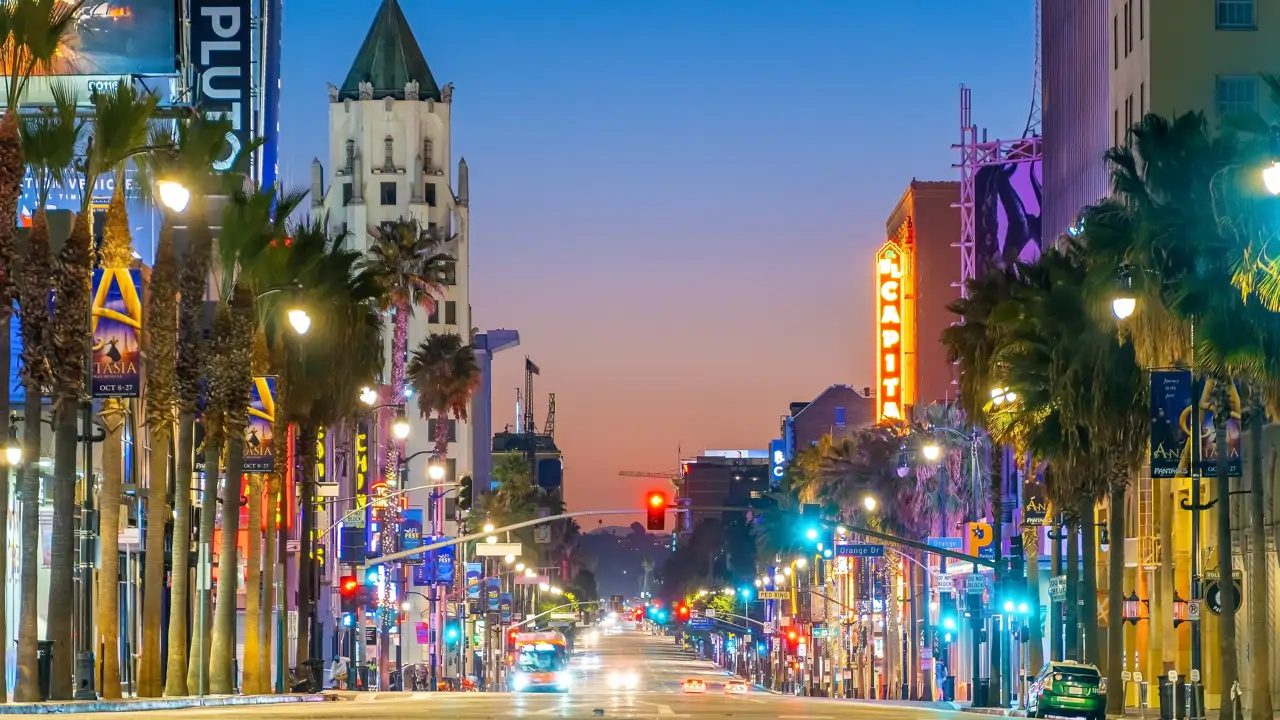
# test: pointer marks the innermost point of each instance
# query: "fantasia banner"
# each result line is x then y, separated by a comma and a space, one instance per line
116, 328
259, 433
1170, 422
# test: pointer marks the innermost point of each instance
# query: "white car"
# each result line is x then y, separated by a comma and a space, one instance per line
736, 687
694, 686
626, 680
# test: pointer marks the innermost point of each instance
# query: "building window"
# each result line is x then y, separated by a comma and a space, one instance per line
1236, 94
1128, 111
1142, 19
1128, 29
387, 193
434, 317
1235, 15
431, 430
840, 416
431, 194
1142, 100
346, 194
1115, 127
448, 273
433, 229
450, 312
1115, 41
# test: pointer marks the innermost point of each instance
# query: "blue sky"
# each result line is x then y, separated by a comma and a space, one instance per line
676, 202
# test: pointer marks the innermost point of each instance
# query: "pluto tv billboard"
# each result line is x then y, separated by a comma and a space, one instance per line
1006, 217
120, 37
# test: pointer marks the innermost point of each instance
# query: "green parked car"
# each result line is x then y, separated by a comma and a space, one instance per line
1070, 689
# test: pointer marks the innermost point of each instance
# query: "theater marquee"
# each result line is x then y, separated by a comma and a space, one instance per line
894, 334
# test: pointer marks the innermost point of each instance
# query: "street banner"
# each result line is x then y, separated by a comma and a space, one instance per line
504, 606
491, 593
197, 434
474, 572
116, 329
259, 433
1035, 505
1171, 423
362, 475
442, 561
410, 539
1210, 443
222, 56
423, 633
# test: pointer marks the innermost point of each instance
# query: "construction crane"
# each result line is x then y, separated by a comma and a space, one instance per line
638, 473
549, 429
530, 429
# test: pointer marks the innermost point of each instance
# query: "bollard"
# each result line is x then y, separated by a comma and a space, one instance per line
84, 677
1143, 692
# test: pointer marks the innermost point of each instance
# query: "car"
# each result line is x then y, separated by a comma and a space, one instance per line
694, 686
1068, 688
625, 680
736, 687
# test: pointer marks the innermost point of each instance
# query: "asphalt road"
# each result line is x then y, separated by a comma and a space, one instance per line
660, 666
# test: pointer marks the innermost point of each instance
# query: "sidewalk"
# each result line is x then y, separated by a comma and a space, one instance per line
1152, 713
139, 705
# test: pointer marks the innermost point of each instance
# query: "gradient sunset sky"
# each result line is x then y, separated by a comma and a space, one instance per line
676, 202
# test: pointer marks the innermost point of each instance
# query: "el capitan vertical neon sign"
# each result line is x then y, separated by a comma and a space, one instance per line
890, 333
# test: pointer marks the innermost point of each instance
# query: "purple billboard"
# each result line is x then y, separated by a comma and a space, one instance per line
1006, 214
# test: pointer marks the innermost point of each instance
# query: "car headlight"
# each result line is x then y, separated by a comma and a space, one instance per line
520, 681
563, 679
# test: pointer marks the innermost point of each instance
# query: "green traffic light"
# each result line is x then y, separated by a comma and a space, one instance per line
949, 623
811, 533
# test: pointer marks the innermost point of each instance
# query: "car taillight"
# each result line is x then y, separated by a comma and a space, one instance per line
1102, 686
1057, 677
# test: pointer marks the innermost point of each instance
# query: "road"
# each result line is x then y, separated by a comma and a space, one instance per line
659, 665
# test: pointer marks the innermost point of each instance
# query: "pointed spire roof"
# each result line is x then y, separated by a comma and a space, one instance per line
389, 58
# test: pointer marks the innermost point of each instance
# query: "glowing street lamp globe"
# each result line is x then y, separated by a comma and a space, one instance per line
435, 471
401, 427
300, 321
931, 452
173, 195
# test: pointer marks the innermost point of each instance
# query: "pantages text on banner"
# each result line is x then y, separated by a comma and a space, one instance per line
259, 433
117, 333
1171, 422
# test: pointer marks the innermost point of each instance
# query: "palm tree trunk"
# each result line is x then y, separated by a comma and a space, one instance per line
222, 653
1115, 600
1166, 630
198, 669
926, 629
108, 601
158, 515
1089, 568
62, 548
28, 688
269, 588
1035, 641
306, 600
253, 591
1260, 638
1071, 621
997, 539
1055, 609
1227, 622
179, 597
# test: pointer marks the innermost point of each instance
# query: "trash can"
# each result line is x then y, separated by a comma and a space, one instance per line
1169, 699
982, 693
44, 665
949, 689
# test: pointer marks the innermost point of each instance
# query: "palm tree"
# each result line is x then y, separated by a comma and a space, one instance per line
49, 143
254, 673
445, 375
121, 129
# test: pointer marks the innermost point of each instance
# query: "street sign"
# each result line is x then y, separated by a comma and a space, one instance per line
709, 612
976, 584
981, 539
1193, 610
327, 490
947, 543
944, 583
859, 550
564, 616
822, 632
1058, 588
498, 549
1213, 575
1213, 596
768, 628
774, 594
700, 623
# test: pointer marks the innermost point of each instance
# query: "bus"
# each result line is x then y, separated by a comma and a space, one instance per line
540, 663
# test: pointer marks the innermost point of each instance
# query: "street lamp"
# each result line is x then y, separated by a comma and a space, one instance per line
801, 562
1124, 303
1002, 395
435, 471
509, 558
519, 567
368, 395
300, 321
491, 540
931, 452
13, 449
488, 527
869, 503
400, 428
1271, 174
174, 195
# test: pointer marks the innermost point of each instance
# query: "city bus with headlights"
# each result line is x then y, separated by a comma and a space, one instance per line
540, 663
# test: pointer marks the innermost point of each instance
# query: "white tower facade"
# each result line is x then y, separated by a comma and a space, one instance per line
390, 156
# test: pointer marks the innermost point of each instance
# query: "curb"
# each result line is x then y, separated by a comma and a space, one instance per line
995, 711
106, 706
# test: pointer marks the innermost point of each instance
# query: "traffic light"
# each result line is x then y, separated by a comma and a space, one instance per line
371, 576
511, 638
793, 641
682, 612
348, 620
347, 588
452, 634
465, 493
656, 508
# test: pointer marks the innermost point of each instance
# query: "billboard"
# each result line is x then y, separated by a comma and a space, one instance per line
894, 383
144, 219
1006, 213
120, 38
222, 56
116, 333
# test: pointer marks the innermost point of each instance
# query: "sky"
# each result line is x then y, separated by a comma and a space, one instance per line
677, 203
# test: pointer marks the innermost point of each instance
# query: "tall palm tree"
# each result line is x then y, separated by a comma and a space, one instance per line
121, 130
445, 375
161, 342
49, 144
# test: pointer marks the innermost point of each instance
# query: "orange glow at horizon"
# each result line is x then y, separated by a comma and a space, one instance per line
892, 337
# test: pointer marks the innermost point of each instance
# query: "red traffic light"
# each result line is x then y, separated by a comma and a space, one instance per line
657, 499
656, 510
684, 611
791, 635
348, 586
